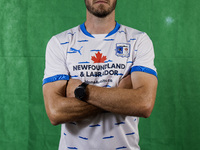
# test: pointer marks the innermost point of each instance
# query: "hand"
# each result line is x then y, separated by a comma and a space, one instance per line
71, 86
126, 83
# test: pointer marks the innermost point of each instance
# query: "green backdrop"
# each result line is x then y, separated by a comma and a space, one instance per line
27, 25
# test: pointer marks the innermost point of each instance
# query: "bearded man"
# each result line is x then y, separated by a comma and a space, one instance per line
99, 79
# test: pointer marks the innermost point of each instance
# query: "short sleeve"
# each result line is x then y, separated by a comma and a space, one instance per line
144, 56
55, 62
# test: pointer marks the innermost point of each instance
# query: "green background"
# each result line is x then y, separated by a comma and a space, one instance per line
27, 25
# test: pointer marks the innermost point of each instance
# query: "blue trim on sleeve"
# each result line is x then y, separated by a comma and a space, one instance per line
55, 78
117, 26
143, 69
83, 29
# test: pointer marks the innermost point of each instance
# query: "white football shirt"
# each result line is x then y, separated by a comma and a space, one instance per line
101, 60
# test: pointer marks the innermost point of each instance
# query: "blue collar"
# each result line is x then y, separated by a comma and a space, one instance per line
83, 29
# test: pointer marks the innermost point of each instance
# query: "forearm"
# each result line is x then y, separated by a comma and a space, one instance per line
133, 102
69, 109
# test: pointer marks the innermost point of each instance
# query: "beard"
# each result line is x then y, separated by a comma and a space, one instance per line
101, 11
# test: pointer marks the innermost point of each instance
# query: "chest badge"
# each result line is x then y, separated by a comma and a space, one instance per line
123, 50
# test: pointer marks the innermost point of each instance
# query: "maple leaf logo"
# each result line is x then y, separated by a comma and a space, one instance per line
99, 58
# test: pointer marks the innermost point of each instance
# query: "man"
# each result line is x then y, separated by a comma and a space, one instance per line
99, 79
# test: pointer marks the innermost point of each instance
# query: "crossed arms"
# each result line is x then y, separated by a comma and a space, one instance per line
135, 96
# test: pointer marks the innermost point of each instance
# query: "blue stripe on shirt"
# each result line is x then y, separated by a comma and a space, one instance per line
143, 69
55, 78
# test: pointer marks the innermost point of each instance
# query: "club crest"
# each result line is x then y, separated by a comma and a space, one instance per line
123, 50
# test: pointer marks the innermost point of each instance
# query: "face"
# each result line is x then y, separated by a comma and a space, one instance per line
100, 8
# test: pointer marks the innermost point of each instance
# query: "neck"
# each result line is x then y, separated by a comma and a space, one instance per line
95, 25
